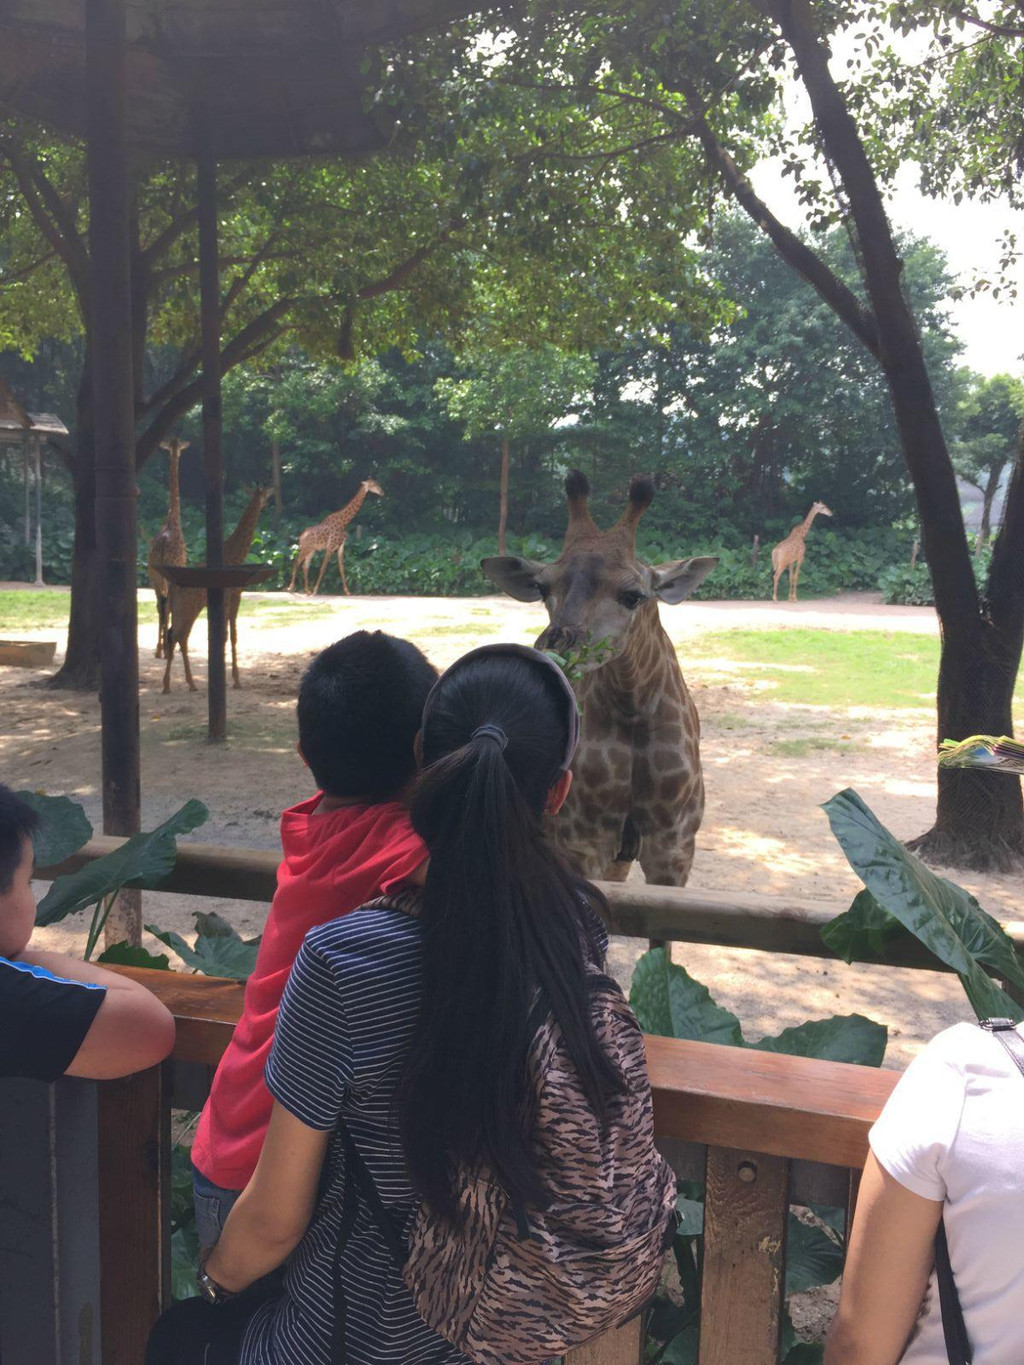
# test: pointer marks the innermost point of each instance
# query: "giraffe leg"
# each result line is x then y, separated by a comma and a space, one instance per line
295, 572
233, 628
161, 625
341, 568
183, 646
323, 567
775, 585
305, 574
667, 857
170, 656
793, 581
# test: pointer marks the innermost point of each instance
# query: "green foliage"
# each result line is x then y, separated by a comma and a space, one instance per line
63, 827
944, 917
143, 860
130, 955
219, 950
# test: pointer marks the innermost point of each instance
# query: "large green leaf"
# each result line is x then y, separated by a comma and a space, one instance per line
843, 1038
218, 954
667, 1001
946, 919
812, 1257
144, 860
63, 827
864, 932
184, 1263
805, 1353
129, 955
683, 1348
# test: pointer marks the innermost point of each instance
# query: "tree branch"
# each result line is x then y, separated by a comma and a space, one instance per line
26, 271
42, 201
795, 252
256, 336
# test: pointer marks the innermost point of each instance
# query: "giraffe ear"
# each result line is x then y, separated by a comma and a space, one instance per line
673, 582
515, 576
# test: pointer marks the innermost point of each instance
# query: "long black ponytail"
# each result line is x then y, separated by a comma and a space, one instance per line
505, 922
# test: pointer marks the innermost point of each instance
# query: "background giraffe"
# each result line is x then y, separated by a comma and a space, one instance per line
330, 535
637, 790
789, 553
187, 603
168, 546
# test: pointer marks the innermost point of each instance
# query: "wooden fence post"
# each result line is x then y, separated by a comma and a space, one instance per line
621, 1347
134, 1180
745, 1213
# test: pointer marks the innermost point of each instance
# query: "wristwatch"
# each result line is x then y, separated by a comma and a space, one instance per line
209, 1289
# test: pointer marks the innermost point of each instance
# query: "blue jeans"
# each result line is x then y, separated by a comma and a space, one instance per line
213, 1205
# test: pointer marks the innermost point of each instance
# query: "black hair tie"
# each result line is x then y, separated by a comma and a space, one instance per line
494, 732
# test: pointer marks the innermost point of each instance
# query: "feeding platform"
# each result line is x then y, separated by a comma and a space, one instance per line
224, 576
27, 653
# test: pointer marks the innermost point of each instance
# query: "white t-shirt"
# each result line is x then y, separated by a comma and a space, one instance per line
953, 1129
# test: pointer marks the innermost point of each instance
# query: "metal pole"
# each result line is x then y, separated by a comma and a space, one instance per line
209, 303
28, 500
39, 512
110, 254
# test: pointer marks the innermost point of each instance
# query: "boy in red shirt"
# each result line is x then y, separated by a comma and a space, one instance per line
359, 709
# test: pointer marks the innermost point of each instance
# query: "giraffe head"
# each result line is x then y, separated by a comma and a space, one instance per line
597, 589
175, 446
820, 509
372, 486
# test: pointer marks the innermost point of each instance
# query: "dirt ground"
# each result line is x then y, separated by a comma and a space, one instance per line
763, 830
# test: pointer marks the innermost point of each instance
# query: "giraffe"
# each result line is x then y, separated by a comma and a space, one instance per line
638, 791
187, 603
168, 546
789, 553
330, 536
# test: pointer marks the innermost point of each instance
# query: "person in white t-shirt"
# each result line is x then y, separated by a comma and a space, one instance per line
948, 1145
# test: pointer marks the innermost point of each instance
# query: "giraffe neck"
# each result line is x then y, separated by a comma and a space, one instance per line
632, 683
805, 525
173, 491
239, 542
351, 508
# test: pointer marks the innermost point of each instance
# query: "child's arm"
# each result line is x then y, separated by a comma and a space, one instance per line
131, 1031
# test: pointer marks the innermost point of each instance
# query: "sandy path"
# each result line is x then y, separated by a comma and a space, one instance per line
762, 831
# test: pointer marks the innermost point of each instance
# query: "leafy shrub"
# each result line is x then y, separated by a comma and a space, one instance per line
902, 585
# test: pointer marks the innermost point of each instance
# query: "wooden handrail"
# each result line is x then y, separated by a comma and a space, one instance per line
780, 924
795, 1107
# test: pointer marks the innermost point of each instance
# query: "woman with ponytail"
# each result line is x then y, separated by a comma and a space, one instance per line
444, 1060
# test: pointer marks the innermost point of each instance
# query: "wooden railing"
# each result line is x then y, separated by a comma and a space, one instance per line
780, 924
762, 1129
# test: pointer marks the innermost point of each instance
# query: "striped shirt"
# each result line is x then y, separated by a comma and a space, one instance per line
346, 1022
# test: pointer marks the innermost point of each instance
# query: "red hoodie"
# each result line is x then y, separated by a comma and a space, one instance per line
333, 863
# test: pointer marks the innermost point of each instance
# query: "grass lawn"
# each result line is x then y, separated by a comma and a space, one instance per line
48, 608
830, 668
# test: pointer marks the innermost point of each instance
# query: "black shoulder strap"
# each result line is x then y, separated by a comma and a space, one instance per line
958, 1348
1006, 1031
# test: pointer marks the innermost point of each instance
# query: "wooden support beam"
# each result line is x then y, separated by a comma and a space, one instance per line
134, 1175
110, 300
777, 924
213, 459
746, 1206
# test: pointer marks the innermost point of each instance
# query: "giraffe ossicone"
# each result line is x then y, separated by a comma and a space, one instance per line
638, 790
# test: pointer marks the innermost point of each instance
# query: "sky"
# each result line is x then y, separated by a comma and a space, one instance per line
969, 233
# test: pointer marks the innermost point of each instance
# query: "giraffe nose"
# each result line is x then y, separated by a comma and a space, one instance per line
560, 639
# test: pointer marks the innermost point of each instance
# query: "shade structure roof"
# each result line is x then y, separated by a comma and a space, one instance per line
16, 423
262, 78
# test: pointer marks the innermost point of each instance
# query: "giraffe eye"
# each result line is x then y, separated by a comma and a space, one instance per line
632, 598
543, 589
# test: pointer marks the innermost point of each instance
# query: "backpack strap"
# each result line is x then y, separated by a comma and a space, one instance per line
958, 1347
1006, 1031
358, 1183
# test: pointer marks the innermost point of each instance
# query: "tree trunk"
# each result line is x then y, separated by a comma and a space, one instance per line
979, 820
503, 497
81, 667
275, 476
988, 498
